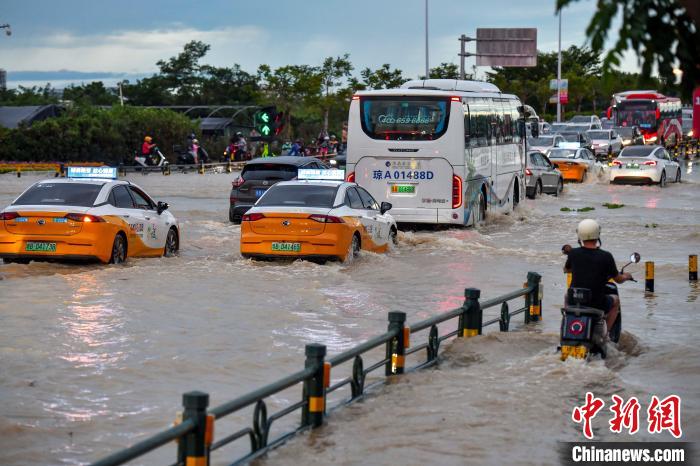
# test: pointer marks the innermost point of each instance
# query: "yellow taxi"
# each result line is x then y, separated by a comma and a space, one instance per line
88, 216
317, 217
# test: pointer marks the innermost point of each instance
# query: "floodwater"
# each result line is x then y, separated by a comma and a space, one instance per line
94, 358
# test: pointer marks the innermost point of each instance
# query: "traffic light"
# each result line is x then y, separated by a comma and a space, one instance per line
264, 122
278, 123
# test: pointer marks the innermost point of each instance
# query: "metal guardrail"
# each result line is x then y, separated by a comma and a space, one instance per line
195, 431
201, 168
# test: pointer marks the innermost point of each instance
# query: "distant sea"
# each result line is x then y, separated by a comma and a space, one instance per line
65, 78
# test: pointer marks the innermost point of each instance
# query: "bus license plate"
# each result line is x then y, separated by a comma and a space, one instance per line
286, 247
259, 192
40, 246
403, 189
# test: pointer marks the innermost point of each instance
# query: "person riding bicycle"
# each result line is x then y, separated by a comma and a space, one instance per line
592, 267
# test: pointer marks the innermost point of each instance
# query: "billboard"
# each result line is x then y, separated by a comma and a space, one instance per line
563, 92
512, 47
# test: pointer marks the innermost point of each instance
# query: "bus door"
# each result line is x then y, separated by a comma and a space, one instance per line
478, 158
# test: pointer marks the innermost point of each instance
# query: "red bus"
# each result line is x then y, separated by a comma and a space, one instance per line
657, 116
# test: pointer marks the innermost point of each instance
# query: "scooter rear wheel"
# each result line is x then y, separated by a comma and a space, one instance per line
616, 330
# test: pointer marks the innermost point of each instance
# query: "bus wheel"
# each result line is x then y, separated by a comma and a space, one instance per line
516, 196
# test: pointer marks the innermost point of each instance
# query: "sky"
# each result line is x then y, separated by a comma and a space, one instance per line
111, 40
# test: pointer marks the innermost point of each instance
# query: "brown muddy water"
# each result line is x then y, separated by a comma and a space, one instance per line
94, 358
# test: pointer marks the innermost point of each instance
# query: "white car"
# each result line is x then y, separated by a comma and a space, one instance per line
591, 120
544, 142
606, 142
650, 164
89, 216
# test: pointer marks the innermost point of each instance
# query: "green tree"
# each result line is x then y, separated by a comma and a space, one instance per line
183, 74
381, 78
34, 95
444, 71
228, 86
334, 72
94, 93
663, 33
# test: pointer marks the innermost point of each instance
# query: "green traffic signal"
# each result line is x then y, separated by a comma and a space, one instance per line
265, 117
265, 130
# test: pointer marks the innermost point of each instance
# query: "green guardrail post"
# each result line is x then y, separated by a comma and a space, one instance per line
193, 449
534, 311
314, 390
396, 347
471, 318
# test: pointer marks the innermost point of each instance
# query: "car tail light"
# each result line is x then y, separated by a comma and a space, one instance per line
528, 172
456, 191
355, 97
650, 162
8, 215
326, 218
237, 182
252, 217
85, 218
617, 163
456, 98
351, 177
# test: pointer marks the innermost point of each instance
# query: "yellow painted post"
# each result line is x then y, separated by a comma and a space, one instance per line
693, 267
649, 277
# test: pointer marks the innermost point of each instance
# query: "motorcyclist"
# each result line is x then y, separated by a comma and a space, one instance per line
198, 152
242, 146
148, 148
592, 267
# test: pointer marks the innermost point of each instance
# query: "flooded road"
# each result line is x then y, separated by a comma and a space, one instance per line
94, 358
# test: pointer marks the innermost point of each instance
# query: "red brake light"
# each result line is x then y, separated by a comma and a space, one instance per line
456, 98
528, 172
237, 182
617, 163
650, 162
8, 215
84, 218
326, 218
456, 191
351, 177
356, 97
252, 217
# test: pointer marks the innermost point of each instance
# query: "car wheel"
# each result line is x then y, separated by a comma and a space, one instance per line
662, 181
172, 243
678, 175
231, 218
583, 176
560, 187
354, 248
394, 237
118, 250
538, 189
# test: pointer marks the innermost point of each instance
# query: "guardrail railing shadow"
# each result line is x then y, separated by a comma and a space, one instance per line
194, 430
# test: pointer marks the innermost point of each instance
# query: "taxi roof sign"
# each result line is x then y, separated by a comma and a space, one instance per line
110, 173
321, 174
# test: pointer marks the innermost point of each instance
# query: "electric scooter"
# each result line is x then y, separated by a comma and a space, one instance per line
583, 330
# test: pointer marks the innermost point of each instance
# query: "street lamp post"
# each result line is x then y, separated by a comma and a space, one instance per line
559, 74
427, 66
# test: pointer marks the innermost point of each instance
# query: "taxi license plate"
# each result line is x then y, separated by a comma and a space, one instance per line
289, 247
259, 192
632, 165
40, 246
403, 189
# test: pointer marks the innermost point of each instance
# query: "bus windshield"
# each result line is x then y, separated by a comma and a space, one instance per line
404, 118
642, 114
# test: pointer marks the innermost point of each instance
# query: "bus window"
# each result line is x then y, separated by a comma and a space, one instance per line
404, 118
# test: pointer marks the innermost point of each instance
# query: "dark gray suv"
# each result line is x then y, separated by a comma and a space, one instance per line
259, 174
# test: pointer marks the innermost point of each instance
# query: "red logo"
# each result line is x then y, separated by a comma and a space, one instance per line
577, 327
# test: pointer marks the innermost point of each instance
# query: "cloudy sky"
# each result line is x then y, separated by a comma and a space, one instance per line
125, 38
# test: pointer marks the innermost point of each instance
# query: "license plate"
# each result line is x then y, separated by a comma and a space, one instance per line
40, 246
632, 165
259, 192
288, 247
403, 189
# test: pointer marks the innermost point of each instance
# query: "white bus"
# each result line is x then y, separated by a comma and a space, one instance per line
441, 151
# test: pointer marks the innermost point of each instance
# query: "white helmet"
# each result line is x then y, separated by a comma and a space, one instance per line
588, 230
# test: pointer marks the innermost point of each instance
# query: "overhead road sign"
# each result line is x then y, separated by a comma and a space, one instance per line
511, 47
